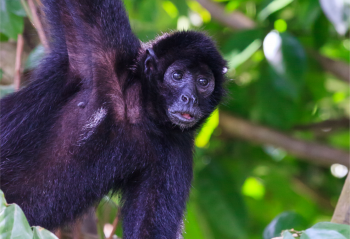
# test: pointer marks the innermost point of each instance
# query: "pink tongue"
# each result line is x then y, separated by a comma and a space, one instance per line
187, 116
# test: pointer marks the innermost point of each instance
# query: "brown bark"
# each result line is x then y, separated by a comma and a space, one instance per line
317, 153
19, 51
342, 210
37, 24
235, 20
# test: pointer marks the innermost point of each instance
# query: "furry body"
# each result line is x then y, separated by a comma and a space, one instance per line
92, 121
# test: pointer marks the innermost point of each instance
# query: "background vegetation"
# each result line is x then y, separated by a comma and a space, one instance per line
278, 146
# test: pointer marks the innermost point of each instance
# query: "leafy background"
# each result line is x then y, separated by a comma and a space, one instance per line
276, 77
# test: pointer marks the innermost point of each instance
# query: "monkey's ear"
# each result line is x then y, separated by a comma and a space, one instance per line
150, 62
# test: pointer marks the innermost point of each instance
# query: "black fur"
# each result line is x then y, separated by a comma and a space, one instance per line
94, 120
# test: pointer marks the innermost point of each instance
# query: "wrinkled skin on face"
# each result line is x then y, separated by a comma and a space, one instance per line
188, 87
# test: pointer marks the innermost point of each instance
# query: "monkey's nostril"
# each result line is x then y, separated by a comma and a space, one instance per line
195, 100
184, 98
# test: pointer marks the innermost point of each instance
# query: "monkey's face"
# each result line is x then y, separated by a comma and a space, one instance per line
188, 87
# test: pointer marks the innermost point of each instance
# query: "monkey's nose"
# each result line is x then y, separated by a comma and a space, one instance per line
187, 98
195, 100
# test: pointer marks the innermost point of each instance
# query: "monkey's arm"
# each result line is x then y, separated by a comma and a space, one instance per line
95, 34
155, 200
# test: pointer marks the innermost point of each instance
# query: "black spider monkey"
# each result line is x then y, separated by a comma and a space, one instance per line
107, 112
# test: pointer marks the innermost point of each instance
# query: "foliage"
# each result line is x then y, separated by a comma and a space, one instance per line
11, 19
239, 187
320, 230
13, 223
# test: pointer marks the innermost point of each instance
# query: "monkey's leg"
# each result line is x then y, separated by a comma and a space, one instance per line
155, 200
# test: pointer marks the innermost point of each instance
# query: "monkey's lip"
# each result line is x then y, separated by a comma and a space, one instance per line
184, 116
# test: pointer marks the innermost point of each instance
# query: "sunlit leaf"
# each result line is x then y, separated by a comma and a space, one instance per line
241, 46
272, 7
195, 6
252, 187
237, 58
280, 25
170, 8
207, 130
13, 223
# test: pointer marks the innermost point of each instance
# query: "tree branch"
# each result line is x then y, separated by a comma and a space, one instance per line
332, 124
115, 225
235, 20
342, 210
19, 51
338, 68
38, 24
320, 154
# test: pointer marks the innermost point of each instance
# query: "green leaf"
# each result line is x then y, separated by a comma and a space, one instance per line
10, 24
3, 37
193, 222
16, 8
321, 234
241, 46
252, 187
221, 202
181, 5
341, 228
294, 61
320, 31
272, 106
207, 130
287, 59
106, 213
272, 7
13, 223
41, 233
308, 13
283, 221
3, 202
287, 235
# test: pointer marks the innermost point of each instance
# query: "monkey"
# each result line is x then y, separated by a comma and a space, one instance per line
105, 112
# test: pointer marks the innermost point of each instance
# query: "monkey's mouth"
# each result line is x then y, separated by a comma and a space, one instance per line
184, 119
187, 116
184, 116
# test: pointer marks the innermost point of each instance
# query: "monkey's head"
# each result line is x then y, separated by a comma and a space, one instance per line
188, 72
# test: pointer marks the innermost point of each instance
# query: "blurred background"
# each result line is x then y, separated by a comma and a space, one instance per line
277, 147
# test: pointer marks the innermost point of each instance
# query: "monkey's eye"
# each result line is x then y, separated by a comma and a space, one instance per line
177, 75
203, 82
